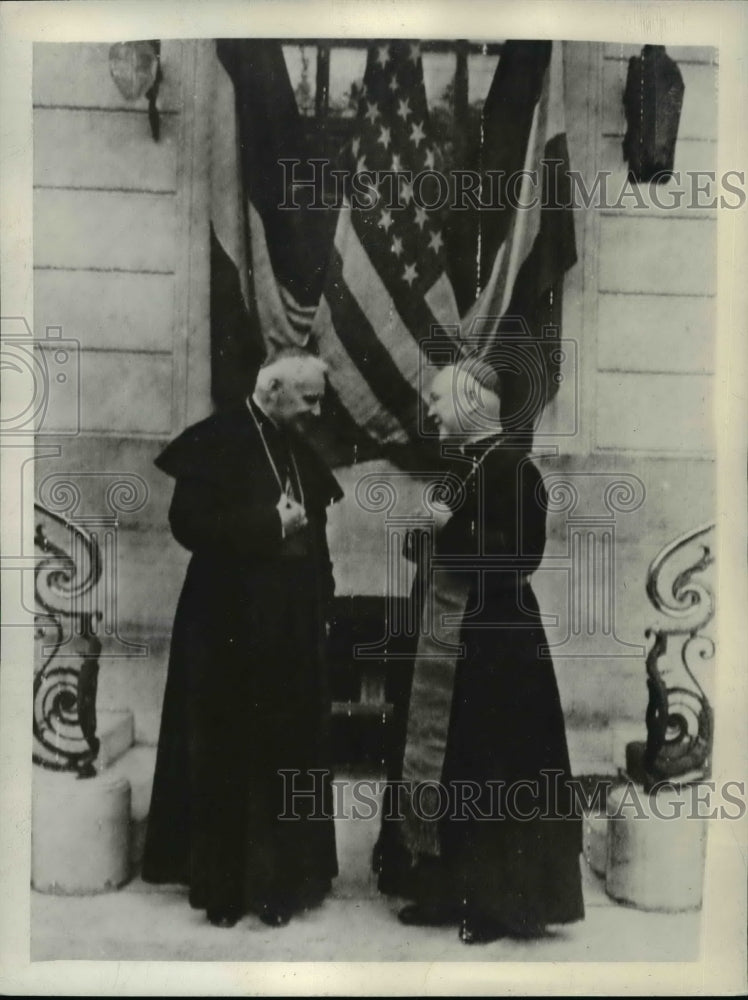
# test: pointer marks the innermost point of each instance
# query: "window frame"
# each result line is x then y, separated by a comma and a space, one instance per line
336, 127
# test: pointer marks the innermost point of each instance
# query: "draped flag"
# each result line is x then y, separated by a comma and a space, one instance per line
510, 260
267, 264
367, 280
386, 287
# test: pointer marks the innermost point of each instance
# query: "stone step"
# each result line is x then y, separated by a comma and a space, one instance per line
115, 729
625, 731
602, 749
592, 695
136, 684
137, 767
590, 750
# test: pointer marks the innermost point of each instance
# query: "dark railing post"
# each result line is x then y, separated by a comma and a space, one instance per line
64, 690
679, 717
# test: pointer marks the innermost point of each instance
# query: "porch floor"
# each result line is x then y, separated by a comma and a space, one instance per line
355, 923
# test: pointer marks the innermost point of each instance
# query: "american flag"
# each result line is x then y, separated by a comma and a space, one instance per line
386, 288
371, 283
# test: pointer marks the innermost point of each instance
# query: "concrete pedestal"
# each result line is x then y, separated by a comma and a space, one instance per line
80, 840
655, 862
595, 841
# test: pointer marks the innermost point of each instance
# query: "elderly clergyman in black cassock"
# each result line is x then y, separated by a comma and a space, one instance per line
247, 694
485, 834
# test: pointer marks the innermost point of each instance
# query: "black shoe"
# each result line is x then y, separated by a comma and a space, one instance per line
427, 915
475, 930
274, 915
223, 918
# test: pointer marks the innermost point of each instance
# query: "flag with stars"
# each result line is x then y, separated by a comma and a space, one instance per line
386, 288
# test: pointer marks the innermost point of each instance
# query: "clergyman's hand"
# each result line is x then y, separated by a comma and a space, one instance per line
292, 515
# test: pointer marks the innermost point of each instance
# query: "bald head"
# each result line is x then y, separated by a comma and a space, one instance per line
290, 387
461, 404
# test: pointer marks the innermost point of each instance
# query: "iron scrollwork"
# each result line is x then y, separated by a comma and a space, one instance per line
67, 647
679, 717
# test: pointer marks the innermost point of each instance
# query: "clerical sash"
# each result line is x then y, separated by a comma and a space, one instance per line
430, 708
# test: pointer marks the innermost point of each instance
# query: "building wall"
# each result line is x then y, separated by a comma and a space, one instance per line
642, 304
114, 243
656, 283
121, 265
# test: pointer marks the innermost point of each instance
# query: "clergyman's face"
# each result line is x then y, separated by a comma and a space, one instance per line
442, 408
296, 398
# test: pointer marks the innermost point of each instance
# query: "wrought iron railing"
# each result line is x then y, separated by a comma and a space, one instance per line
67, 649
679, 717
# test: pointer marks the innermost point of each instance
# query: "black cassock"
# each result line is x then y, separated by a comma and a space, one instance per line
247, 693
487, 719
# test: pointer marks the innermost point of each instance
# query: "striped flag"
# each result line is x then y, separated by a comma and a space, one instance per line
367, 284
267, 265
386, 286
515, 273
